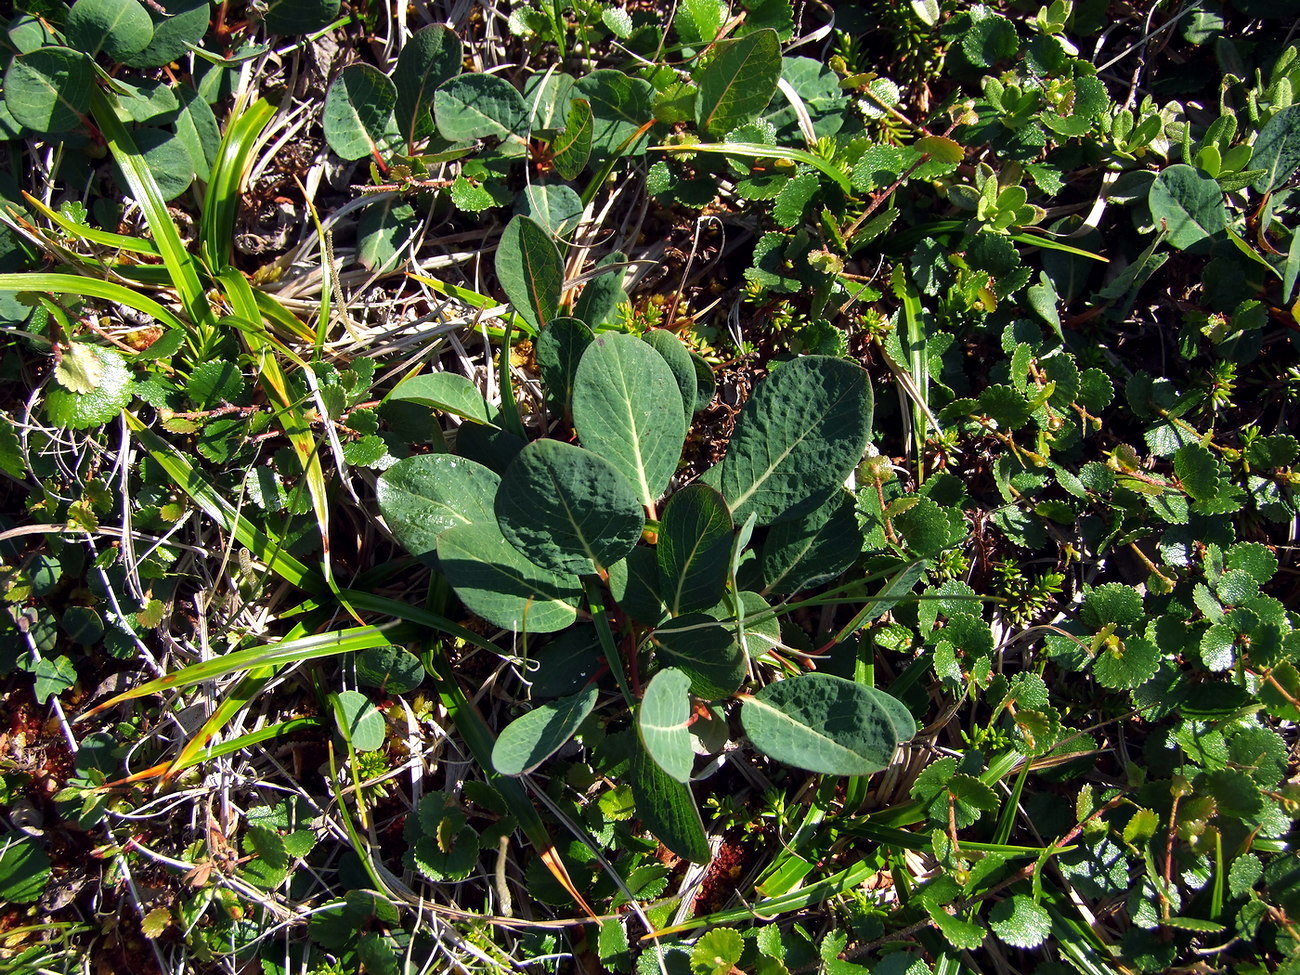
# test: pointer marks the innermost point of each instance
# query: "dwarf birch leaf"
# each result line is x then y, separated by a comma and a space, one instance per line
48, 90
694, 549
705, 650
497, 583
960, 933
480, 106
430, 57
358, 117
820, 723
80, 370
534, 737
572, 147
567, 509
1020, 922
1189, 205
421, 497
662, 721
668, 809
530, 270
112, 390
627, 408
738, 81
798, 437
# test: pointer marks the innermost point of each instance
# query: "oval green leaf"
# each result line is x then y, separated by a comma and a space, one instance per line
530, 270
559, 349
680, 362
627, 408
446, 391
738, 81
705, 650
498, 584
421, 497
1277, 149
361, 722
694, 549
572, 147
667, 808
534, 737
556, 208
620, 106
1187, 204
392, 668
481, 106
48, 90
798, 437
119, 28
24, 868
430, 57
299, 16
663, 721
821, 723
183, 24
800, 553
359, 117
567, 509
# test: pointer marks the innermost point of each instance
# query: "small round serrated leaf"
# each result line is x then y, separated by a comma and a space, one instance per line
119, 28
362, 723
1129, 665
49, 90
497, 583
1020, 922
663, 721
421, 497
534, 737
820, 723
80, 411
1113, 602
567, 509
359, 106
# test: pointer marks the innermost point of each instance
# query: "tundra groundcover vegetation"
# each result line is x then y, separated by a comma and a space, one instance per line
690, 488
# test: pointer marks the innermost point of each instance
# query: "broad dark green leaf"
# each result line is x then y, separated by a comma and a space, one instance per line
534, 737
421, 497
634, 584
358, 116
572, 147
1277, 149
900, 718
800, 553
798, 437
497, 583
25, 867
559, 349
566, 663
627, 408
384, 231
392, 668
177, 24
737, 81
430, 57
620, 107
555, 207
548, 95
668, 809
694, 549
530, 270
680, 362
601, 295
567, 509
1188, 204
48, 91
481, 106
705, 650
119, 28
663, 721
299, 16
448, 392
821, 723
168, 159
